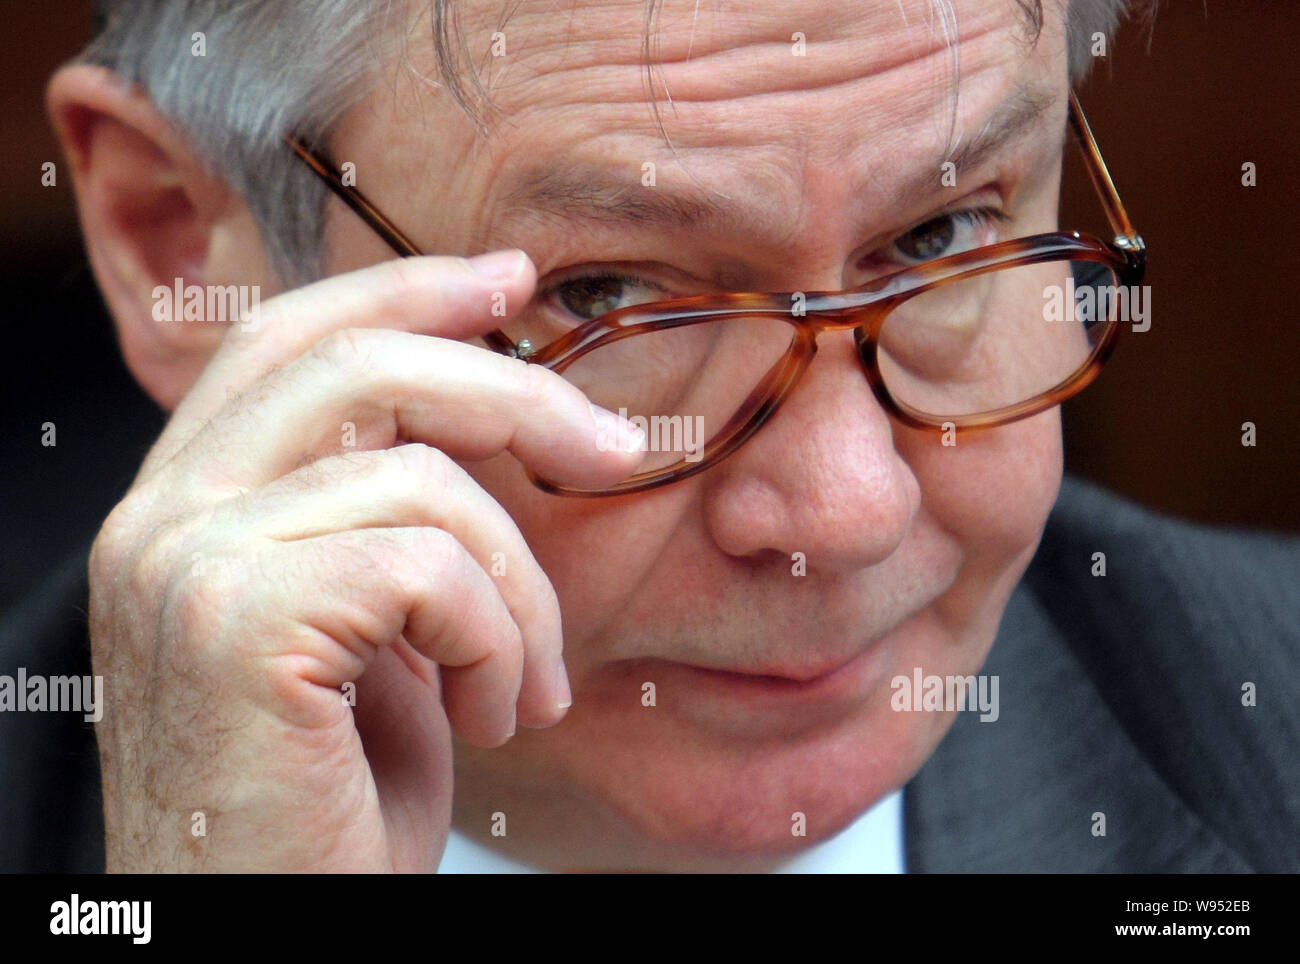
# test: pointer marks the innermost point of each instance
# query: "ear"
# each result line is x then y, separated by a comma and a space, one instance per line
151, 214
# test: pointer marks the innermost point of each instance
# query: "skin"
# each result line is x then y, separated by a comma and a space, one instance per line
374, 564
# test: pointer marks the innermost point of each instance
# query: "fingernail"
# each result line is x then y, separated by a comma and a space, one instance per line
615, 433
498, 265
514, 723
563, 690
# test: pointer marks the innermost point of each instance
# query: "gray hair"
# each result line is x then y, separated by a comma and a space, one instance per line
299, 65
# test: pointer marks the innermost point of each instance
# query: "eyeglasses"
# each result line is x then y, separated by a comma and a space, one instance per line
967, 341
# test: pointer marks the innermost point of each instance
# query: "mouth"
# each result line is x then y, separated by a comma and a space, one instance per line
788, 673
770, 687
808, 684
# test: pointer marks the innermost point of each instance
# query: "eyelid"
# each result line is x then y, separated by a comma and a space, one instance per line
988, 197
597, 272
978, 200
546, 298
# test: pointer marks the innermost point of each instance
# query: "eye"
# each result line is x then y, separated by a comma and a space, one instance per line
948, 234
589, 296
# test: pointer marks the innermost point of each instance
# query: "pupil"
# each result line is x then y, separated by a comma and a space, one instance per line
591, 297
930, 240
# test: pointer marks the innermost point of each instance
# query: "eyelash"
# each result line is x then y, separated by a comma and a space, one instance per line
976, 217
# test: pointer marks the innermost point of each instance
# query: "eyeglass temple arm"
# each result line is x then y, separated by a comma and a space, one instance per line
392, 235
1101, 179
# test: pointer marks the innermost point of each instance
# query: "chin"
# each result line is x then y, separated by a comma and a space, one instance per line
698, 800
705, 780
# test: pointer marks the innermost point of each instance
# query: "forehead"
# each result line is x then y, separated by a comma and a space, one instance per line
702, 63
727, 100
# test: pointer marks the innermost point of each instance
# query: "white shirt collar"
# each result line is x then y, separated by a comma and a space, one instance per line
872, 844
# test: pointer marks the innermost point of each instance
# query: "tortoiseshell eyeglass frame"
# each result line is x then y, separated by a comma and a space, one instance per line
861, 309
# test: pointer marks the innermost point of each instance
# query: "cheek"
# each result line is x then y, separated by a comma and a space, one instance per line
992, 490
987, 498
989, 495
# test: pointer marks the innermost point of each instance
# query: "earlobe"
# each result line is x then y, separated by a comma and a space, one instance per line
150, 215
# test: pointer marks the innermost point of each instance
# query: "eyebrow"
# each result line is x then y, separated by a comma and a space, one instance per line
595, 192
598, 193
1014, 118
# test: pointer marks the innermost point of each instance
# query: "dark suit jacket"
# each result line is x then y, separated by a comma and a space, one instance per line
1119, 695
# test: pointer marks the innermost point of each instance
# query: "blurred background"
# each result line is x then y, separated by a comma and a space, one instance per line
1177, 110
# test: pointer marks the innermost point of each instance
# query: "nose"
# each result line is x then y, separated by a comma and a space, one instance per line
822, 478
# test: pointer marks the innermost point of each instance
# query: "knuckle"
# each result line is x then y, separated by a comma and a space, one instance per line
131, 531
403, 276
539, 388
347, 349
431, 467
407, 281
115, 539
508, 645
441, 551
204, 592
413, 574
156, 563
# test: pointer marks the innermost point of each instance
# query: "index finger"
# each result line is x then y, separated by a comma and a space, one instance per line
445, 296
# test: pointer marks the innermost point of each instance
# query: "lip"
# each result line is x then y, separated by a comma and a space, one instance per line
782, 675
772, 687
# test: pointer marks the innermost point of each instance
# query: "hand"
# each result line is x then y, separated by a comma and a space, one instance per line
257, 567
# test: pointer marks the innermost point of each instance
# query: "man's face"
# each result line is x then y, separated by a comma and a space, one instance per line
771, 689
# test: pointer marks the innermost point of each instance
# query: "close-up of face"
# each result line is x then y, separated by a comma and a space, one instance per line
652, 436
732, 636
776, 172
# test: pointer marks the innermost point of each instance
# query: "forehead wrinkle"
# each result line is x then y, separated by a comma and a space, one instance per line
721, 97
858, 115
735, 75
568, 192
606, 195
742, 49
